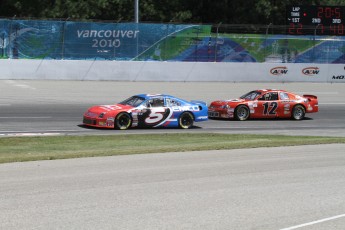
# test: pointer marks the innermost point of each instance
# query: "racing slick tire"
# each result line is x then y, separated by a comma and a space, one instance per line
123, 121
186, 120
241, 113
298, 112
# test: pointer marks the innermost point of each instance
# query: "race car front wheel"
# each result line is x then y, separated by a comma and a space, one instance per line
298, 112
242, 113
123, 121
186, 120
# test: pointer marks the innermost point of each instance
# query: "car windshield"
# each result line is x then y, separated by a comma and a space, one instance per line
251, 95
133, 101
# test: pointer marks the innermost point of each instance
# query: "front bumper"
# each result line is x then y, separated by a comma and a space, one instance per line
89, 121
98, 122
220, 114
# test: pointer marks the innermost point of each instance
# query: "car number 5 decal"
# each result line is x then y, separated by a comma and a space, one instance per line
270, 108
155, 116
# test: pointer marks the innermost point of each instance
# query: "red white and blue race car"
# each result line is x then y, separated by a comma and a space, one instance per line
144, 110
265, 103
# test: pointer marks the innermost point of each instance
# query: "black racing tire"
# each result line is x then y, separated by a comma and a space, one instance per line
123, 121
186, 120
242, 113
298, 112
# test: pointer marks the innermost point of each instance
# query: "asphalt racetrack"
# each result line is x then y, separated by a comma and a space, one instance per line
301, 187
56, 107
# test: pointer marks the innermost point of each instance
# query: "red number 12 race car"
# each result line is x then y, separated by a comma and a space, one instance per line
265, 103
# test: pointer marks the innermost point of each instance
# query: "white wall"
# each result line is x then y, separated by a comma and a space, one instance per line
170, 71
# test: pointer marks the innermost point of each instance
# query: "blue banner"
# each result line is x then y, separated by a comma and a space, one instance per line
122, 41
39, 39
31, 39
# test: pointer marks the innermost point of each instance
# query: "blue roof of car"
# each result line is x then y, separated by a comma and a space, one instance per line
147, 96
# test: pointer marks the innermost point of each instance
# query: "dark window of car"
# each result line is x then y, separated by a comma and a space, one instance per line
272, 96
133, 101
251, 95
155, 102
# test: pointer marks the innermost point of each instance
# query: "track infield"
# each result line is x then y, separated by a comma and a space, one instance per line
18, 149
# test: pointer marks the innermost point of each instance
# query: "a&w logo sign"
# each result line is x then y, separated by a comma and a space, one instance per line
311, 71
280, 70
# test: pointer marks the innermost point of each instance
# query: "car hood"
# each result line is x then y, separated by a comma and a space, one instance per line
223, 102
96, 110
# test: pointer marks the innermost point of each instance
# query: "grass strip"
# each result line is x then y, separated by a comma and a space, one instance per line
17, 149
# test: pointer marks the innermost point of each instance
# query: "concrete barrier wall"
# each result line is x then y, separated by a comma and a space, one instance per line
170, 71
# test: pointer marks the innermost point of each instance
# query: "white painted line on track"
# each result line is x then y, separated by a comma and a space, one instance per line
332, 103
42, 131
23, 86
29, 134
38, 133
25, 117
314, 222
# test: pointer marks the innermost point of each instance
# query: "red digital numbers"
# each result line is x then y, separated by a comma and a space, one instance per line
321, 29
336, 29
340, 29
328, 12
296, 29
337, 12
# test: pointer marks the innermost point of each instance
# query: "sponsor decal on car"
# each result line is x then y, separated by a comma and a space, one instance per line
311, 71
185, 108
111, 107
225, 115
102, 123
280, 70
110, 121
90, 114
286, 109
253, 104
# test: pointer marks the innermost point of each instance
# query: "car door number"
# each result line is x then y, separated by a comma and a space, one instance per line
155, 116
270, 108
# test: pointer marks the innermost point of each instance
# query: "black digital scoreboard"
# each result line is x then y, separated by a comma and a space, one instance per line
317, 20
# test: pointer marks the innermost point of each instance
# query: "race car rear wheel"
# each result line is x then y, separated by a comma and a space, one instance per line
123, 121
298, 112
241, 113
186, 120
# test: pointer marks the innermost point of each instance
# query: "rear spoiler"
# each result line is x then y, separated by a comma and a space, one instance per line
310, 96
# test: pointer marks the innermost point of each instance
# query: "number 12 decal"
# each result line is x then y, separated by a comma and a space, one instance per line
270, 108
